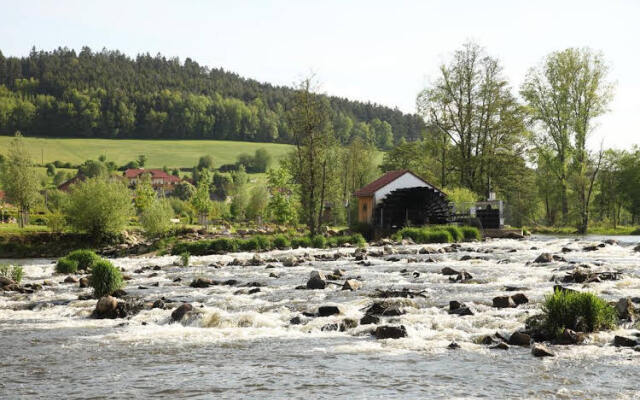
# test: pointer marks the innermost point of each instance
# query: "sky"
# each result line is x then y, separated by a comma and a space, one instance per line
378, 51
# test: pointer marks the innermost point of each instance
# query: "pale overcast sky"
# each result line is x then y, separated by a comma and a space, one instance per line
381, 51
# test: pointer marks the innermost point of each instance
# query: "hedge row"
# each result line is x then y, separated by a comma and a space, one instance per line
263, 243
439, 234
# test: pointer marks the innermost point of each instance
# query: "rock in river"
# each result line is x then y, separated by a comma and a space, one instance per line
519, 339
316, 280
179, 312
325, 311
544, 258
622, 341
539, 350
351, 284
503, 302
390, 332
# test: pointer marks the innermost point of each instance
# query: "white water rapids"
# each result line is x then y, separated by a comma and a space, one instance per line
244, 346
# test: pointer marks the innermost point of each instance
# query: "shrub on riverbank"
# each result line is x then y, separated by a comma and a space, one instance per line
105, 278
13, 272
66, 266
264, 243
85, 258
438, 234
578, 311
470, 233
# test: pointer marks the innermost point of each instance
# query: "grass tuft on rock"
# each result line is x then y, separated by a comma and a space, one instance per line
578, 311
105, 278
13, 272
85, 259
66, 265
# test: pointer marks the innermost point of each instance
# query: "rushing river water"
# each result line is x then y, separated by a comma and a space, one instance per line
244, 346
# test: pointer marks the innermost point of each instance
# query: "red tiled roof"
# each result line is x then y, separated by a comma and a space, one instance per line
381, 182
155, 173
65, 186
384, 180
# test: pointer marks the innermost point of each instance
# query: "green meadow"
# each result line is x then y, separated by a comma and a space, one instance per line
170, 153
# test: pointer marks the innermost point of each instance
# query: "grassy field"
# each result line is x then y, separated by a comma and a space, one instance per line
170, 153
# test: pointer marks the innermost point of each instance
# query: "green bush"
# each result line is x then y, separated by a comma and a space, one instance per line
66, 266
250, 244
85, 258
13, 272
156, 218
223, 245
281, 242
579, 311
105, 278
456, 233
302, 241
470, 233
264, 242
426, 235
319, 242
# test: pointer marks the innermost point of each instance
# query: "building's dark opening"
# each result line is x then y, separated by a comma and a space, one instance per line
412, 207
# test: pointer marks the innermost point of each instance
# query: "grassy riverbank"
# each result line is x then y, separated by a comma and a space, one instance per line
596, 230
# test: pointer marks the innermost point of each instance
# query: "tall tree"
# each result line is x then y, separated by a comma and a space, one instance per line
311, 164
472, 104
565, 94
20, 179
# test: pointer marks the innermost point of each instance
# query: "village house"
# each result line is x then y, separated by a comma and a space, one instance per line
160, 180
400, 198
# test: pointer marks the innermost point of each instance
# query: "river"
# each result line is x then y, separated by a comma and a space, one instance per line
244, 346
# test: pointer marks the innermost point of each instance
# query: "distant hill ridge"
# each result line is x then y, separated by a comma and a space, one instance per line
107, 94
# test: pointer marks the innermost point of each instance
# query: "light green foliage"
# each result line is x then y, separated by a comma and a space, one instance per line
205, 162
319, 241
105, 279
19, 179
66, 266
281, 242
155, 219
144, 194
99, 207
13, 272
185, 257
239, 203
56, 222
425, 235
258, 200
201, 202
184, 191
579, 311
85, 258
93, 169
462, 198
470, 233
282, 205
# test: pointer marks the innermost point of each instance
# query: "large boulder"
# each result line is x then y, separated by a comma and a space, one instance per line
384, 309
503, 302
449, 271
637, 248
570, 337
539, 350
625, 309
622, 341
351, 284
106, 307
5, 281
201, 283
180, 312
316, 280
519, 298
390, 332
462, 277
544, 258
519, 339
84, 282
326, 311
369, 320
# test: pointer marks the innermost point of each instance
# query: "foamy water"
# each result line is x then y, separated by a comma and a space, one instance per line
243, 345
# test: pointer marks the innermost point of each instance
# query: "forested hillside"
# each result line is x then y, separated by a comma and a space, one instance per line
106, 94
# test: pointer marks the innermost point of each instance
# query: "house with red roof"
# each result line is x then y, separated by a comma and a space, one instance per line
160, 180
401, 197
